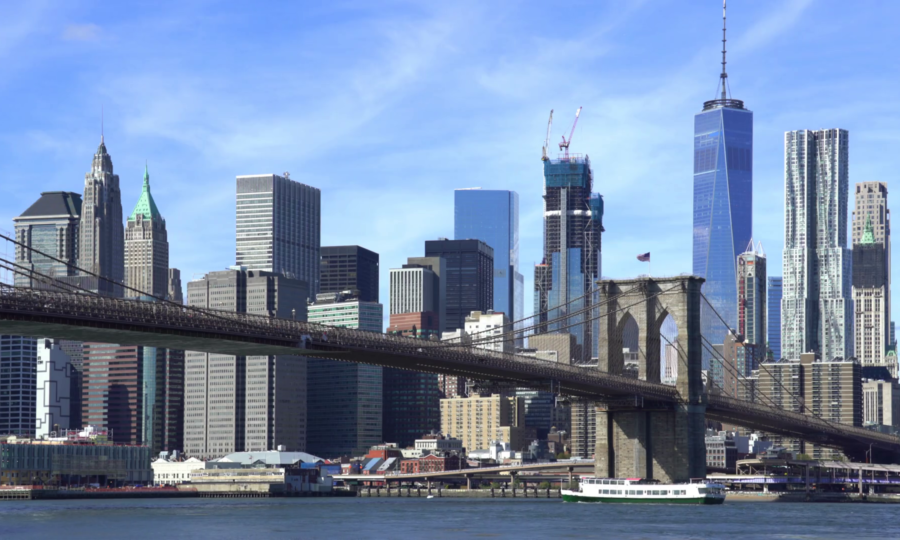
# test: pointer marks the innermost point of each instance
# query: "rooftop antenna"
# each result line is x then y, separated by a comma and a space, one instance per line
101, 123
724, 75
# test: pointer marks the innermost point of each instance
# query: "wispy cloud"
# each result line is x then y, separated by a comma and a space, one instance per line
81, 32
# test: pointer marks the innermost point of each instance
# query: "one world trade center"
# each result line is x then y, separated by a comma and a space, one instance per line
723, 203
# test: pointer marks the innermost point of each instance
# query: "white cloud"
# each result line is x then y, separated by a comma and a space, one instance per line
81, 32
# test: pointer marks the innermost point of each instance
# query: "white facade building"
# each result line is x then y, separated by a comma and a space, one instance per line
413, 290
817, 310
54, 386
486, 331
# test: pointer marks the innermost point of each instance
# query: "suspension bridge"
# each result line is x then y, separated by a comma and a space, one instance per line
644, 428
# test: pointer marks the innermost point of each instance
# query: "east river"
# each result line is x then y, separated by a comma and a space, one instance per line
330, 519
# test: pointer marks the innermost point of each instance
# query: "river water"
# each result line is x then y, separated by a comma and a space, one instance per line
334, 518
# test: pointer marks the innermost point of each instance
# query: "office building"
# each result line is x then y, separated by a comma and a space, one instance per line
49, 226
349, 268
175, 293
245, 403
670, 364
751, 303
411, 401
583, 437
564, 280
723, 202
417, 288
54, 385
871, 203
493, 217
146, 248
344, 399
816, 308
469, 279
881, 404
870, 301
831, 390
48, 234
279, 227
101, 235
113, 391
773, 322
490, 331
18, 385
478, 420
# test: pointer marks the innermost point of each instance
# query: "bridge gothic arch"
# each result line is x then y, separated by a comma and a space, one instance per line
637, 438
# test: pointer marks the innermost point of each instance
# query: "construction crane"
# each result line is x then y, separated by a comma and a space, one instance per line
547, 139
564, 145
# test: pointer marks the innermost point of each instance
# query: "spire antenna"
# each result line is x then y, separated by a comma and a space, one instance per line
101, 123
724, 75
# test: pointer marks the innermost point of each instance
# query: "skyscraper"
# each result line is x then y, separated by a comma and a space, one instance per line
50, 226
347, 268
279, 227
468, 281
774, 317
344, 399
101, 236
871, 315
723, 200
146, 247
871, 211
411, 400
18, 385
572, 226
493, 217
816, 309
245, 403
752, 307
175, 294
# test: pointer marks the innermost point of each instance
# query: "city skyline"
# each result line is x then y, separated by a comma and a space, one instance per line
608, 131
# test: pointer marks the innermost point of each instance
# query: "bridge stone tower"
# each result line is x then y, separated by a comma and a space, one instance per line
637, 438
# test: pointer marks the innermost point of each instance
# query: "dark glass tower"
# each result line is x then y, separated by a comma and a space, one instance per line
469, 279
723, 201
345, 268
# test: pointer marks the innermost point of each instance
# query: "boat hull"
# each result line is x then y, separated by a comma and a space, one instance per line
573, 497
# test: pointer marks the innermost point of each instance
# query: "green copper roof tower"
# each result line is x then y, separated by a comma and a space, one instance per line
146, 247
146, 206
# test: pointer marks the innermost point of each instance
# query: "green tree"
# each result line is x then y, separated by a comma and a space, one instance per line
804, 457
495, 485
544, 485
563, 455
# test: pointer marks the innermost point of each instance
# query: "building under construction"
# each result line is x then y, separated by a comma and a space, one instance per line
572, 225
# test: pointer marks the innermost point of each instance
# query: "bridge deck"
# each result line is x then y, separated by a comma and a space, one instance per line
130, 322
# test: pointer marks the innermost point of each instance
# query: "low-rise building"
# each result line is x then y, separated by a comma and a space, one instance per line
72, 463
721, 451
271, 480
436, 443
433, 463
171, 472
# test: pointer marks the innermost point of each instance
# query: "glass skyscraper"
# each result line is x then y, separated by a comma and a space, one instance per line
774, 317
492, 216
723, 205
572, 227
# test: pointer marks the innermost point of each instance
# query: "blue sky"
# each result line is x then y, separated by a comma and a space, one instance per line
388, 107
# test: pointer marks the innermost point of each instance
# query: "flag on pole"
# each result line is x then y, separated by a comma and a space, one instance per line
645, 257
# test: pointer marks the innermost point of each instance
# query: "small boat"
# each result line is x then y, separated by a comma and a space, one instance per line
430, 497
636, 490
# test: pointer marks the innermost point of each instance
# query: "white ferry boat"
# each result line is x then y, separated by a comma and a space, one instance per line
636, 490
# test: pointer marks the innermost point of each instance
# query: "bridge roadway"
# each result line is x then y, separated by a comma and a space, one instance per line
85, 317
